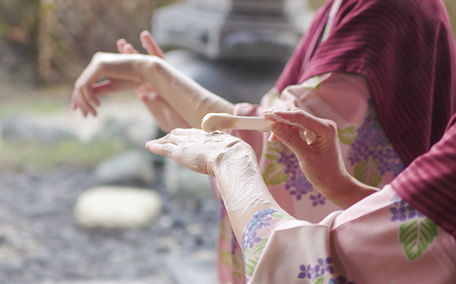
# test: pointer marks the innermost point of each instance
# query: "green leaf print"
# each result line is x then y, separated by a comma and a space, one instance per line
416, 236
250, 266
319, 280
347, 135
367, 172
271, 157
274, 174
258, 248
252, 255
225, 257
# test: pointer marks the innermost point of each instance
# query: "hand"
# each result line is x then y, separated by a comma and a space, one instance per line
165, 115
316, 145
200, 151
228, 158
107, 72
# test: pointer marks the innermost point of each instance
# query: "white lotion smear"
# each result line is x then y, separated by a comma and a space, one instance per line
219, 121
242, 192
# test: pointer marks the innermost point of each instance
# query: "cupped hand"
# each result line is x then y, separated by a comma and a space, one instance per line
200, 151
314, 142
165, 115
107, 72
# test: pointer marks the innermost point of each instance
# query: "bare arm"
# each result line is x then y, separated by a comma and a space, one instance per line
230, 160
126, 71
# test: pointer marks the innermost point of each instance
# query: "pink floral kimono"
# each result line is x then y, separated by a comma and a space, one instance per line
391, 101
380, 239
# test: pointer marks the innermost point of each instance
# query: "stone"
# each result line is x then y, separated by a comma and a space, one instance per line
237, 81
183, 183
192, 269
131, 167
108, 207
234, 29
27, 130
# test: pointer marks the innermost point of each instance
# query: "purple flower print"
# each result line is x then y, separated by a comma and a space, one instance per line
259, 220
371, 143
250, 241
403, 211
340, 280
234, 244
290, 161
318, 199
297, 184
306, 271
323, 266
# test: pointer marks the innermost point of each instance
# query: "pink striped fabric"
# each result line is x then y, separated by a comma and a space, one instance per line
406, 51
429, 183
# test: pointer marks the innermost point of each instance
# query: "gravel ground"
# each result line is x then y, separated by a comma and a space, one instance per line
40, 243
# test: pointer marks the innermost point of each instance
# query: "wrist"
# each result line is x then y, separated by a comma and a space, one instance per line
345, 190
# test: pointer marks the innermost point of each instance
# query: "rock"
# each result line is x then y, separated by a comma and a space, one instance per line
131, 167
236, 81
117, 207
26, 130
192, 269
184, 183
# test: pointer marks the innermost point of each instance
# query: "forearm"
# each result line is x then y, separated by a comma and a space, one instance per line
346, 191
242, 187
188, 98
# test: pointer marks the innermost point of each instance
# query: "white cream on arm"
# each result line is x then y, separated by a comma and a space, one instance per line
241, 186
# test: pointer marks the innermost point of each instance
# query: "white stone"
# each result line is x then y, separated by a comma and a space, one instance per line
117, 207
184, 183
131, 167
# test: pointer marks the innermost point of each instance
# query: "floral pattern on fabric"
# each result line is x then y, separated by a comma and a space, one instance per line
229, 252
416, 232
370, 152
261, 224
284, 168
318, 273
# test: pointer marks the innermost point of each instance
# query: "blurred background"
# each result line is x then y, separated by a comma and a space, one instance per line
81, 200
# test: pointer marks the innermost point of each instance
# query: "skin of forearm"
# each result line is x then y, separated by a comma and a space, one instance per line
188, 98
241, 186
346, 191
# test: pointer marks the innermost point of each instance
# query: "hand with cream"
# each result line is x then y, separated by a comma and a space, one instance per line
230, 160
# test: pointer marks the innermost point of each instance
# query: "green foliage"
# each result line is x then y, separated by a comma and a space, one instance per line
70, 152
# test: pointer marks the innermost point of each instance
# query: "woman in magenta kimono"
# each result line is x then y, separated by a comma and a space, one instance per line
383, 71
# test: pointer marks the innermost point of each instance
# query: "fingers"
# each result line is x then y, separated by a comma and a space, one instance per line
291, 137
162, 147
313, 126
150, 45
83, 100
125, 48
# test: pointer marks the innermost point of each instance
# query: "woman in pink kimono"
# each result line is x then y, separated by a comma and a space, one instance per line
405, 233
384, 71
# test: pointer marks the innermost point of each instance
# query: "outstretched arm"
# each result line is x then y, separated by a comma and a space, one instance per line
108, 72
230, 160
165, 115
